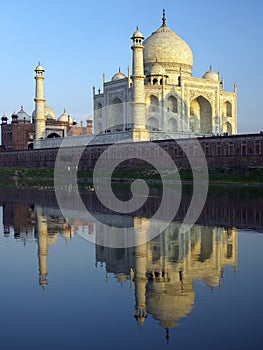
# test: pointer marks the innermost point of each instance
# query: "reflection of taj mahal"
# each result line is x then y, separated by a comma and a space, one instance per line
163, 270
162, 95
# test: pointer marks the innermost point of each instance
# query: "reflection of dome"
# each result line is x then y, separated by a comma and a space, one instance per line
168, 308
157, 69
65, 118
22, 116
164, 46
211, 75
49, 113
118, 76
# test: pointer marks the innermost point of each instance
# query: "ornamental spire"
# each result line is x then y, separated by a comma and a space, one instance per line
164, 18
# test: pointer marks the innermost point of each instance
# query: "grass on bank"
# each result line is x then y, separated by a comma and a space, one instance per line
43, 177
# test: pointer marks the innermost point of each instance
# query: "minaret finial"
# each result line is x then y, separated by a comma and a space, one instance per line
211, 67
137, 27
164, 18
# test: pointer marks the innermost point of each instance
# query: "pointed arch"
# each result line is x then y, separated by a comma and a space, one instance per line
98, 110
227, 109
116, 115
172, 125
201, 116
153, 123
172, 104
228, 128
154, 103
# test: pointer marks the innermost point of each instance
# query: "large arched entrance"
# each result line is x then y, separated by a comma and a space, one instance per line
201, 116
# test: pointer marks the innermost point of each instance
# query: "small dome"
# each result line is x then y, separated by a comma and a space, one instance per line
157, 69
211, 75
22, 116
118, 76
65, 118
4, 118
137, 34
39, 68
49, 113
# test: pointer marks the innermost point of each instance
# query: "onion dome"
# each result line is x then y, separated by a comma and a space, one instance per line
157, 69
22, 116
4, 119
39, 68
118, 76
65, 118
137, 34
211, 75
14, 117
165, 47
49, 113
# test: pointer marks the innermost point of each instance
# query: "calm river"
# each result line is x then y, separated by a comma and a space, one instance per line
202, 289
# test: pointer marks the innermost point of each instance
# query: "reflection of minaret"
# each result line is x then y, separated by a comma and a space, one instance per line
42, 239
140, 275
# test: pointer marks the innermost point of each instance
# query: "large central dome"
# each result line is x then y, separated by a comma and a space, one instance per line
168, 49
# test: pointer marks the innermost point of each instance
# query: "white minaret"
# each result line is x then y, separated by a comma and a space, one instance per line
139, 131
40, 120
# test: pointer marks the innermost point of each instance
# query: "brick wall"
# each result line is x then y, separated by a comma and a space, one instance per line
239, 150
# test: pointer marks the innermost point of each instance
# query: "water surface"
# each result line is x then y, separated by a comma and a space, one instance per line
202, 289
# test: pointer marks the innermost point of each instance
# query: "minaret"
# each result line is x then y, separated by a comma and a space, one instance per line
40, 121
139, 131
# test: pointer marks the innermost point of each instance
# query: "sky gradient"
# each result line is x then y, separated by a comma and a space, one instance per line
77, 41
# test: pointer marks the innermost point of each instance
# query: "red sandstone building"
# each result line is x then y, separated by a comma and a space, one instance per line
20, 133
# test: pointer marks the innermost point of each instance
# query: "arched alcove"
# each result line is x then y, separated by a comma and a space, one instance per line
172, 104
228, 128
116, 113
227, 109
154, 103
201, 116
153, 123
172, 125
98, 110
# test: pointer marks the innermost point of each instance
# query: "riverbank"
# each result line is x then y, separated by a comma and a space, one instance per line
44, 177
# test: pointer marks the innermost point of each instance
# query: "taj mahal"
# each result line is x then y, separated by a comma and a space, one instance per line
159, 99
161, 95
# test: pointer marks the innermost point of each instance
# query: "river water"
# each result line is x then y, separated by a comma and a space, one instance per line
200, 289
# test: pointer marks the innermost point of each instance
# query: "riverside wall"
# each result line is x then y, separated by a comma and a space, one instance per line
220, 151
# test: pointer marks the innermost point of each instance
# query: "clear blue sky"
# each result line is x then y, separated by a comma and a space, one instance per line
76, 41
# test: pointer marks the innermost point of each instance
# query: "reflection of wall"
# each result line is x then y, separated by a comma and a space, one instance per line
21, 217
163, 270
43, 224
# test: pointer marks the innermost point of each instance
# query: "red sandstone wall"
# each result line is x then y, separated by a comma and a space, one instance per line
242, 150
